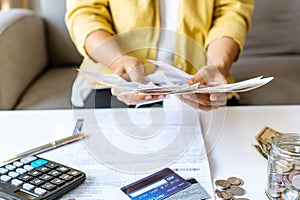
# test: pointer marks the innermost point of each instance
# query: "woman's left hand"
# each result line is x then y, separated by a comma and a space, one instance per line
206, 76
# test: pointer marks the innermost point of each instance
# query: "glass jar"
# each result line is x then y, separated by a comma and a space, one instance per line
283, 180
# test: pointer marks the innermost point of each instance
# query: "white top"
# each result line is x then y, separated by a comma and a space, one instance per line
168, 21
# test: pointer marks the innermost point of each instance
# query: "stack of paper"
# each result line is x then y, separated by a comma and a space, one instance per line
170, 80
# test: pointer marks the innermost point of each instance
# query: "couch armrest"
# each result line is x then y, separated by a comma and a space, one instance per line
23, 53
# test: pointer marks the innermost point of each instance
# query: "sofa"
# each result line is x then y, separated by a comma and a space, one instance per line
272, 48
38, 61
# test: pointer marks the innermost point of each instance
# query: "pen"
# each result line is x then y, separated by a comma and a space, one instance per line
49, 146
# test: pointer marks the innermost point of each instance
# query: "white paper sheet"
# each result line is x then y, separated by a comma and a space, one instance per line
104, 183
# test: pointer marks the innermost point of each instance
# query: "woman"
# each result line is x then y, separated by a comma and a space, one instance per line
219, 26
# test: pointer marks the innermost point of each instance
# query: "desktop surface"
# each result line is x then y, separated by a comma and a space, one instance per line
229, 134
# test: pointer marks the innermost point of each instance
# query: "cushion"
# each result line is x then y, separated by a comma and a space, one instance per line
61, 49
51, 91
275, 28
284, 89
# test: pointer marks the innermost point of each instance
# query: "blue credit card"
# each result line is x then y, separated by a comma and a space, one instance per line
156, 186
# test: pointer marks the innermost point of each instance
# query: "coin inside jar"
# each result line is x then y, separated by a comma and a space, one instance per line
235, 181
236, 190
222, 183
295, 179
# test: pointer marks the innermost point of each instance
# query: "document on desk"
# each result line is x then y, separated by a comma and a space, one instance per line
104, 181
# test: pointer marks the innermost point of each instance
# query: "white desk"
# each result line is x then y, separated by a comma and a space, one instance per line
231, 151
229, 133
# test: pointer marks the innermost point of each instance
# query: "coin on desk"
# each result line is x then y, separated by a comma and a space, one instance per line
224, 194
235, 181
222, 183
236, 190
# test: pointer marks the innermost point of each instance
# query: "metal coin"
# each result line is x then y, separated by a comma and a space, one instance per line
235, 181
296, 181
283, 166
222, 183
242, 199
237, 190
224, 194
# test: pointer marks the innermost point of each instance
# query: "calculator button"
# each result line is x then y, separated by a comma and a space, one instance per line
54, 173
37, 182
38, 163
40, 191
49, 186
13, 174
25, 177
21, 170
28, 167
52, 165
18, 164
34, 173
63, 169
5, 178
46, 177
28, 159
10, 167
66, 177
74, 173
43, 169
3, 171
28, 186
16, 182
58, 182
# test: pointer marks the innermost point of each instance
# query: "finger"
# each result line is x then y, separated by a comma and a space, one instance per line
131, 96
136, 73
218, 98
198, 78
117, 91
126, 77
126, 100
120, 70
196, 105
152, 97
198, 98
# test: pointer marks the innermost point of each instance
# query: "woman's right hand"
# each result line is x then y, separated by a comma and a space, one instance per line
129, 68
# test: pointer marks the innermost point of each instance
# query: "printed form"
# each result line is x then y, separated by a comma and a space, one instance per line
138, 157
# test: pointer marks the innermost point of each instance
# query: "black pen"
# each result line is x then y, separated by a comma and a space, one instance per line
47, 147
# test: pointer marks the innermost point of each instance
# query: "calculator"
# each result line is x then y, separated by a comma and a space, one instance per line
35, 178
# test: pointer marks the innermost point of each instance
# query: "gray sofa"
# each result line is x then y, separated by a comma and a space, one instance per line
38, 59
272, 49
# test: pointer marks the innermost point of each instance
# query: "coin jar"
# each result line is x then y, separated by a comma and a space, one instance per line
283, 178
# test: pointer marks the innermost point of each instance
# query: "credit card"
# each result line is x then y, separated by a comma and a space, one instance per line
193, 192
157, 186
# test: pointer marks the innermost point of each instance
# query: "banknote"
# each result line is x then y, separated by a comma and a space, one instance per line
161, 83
264, 139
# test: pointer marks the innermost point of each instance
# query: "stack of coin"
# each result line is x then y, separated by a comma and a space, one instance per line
230, 188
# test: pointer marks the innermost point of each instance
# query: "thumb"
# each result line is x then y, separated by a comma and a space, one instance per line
197, 78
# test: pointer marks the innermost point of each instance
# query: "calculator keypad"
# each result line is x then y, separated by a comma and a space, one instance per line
37, 178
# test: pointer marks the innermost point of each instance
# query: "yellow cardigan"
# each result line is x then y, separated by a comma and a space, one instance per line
201, 21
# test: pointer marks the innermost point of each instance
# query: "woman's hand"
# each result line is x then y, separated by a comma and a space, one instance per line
206, 76
131, 69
